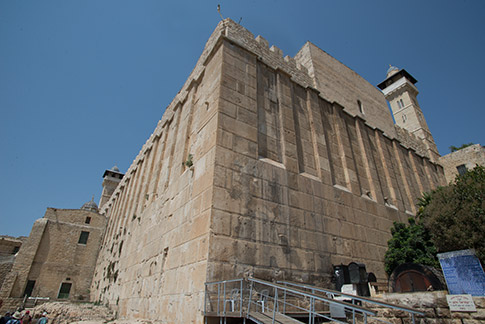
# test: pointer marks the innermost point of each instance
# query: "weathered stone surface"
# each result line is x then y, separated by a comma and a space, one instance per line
253, 171
65, 313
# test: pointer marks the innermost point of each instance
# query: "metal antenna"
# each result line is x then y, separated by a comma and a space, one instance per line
219, 11
239, 22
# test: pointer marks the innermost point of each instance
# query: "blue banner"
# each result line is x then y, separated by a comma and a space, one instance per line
463, 272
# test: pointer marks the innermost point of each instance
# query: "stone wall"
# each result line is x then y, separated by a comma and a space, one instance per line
435, 307
154, 256
338, 83
9, 246
300, 184
469, 156
409, 140
6, 263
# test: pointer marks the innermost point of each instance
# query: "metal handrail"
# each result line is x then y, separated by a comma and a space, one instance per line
411, 311
317, 297
312, 314
359, 298
282, 289
223, 283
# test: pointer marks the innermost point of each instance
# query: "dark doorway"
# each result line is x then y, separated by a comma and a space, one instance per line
29, 288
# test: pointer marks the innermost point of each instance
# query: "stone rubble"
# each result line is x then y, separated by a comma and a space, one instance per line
66, 313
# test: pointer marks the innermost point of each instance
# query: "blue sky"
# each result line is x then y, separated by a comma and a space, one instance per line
84, 83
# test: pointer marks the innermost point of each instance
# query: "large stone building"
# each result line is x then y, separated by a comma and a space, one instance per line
262, 165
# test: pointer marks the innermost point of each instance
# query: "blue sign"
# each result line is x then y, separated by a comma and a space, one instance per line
463, 272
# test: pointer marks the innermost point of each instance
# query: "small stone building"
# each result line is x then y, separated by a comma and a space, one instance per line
460, 161
57, 260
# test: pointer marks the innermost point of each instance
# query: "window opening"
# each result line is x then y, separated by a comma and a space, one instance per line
83, 238
461, 169
65, 290
361, 107
88, 220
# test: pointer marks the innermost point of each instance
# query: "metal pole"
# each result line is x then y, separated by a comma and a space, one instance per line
218, 298
353, 311
205, 300
313, 308
284, 301
275, 303
310, 312
250, 297
241, 301
412, 318
224, 299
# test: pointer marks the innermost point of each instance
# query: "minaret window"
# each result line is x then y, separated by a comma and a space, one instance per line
400, 103
404, 118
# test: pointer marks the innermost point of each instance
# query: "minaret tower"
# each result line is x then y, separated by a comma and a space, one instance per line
111, 179
401, 92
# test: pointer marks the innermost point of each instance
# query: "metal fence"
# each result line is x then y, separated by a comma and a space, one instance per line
268, 302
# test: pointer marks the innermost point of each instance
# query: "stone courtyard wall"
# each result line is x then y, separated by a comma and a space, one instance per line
433, 304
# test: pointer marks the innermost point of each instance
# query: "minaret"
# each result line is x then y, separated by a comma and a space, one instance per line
111, 178
401, 92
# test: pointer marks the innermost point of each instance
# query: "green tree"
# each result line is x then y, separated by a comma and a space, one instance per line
455, 214
454, 148
409, 243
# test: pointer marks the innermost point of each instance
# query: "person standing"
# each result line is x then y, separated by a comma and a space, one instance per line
15, 318
43, 319
6, 318
26, 319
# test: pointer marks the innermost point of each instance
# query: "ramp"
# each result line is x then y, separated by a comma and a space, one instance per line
267, 318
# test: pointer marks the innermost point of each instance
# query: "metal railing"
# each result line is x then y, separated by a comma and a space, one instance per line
285, 298
218, 306
253, 298
333, 293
